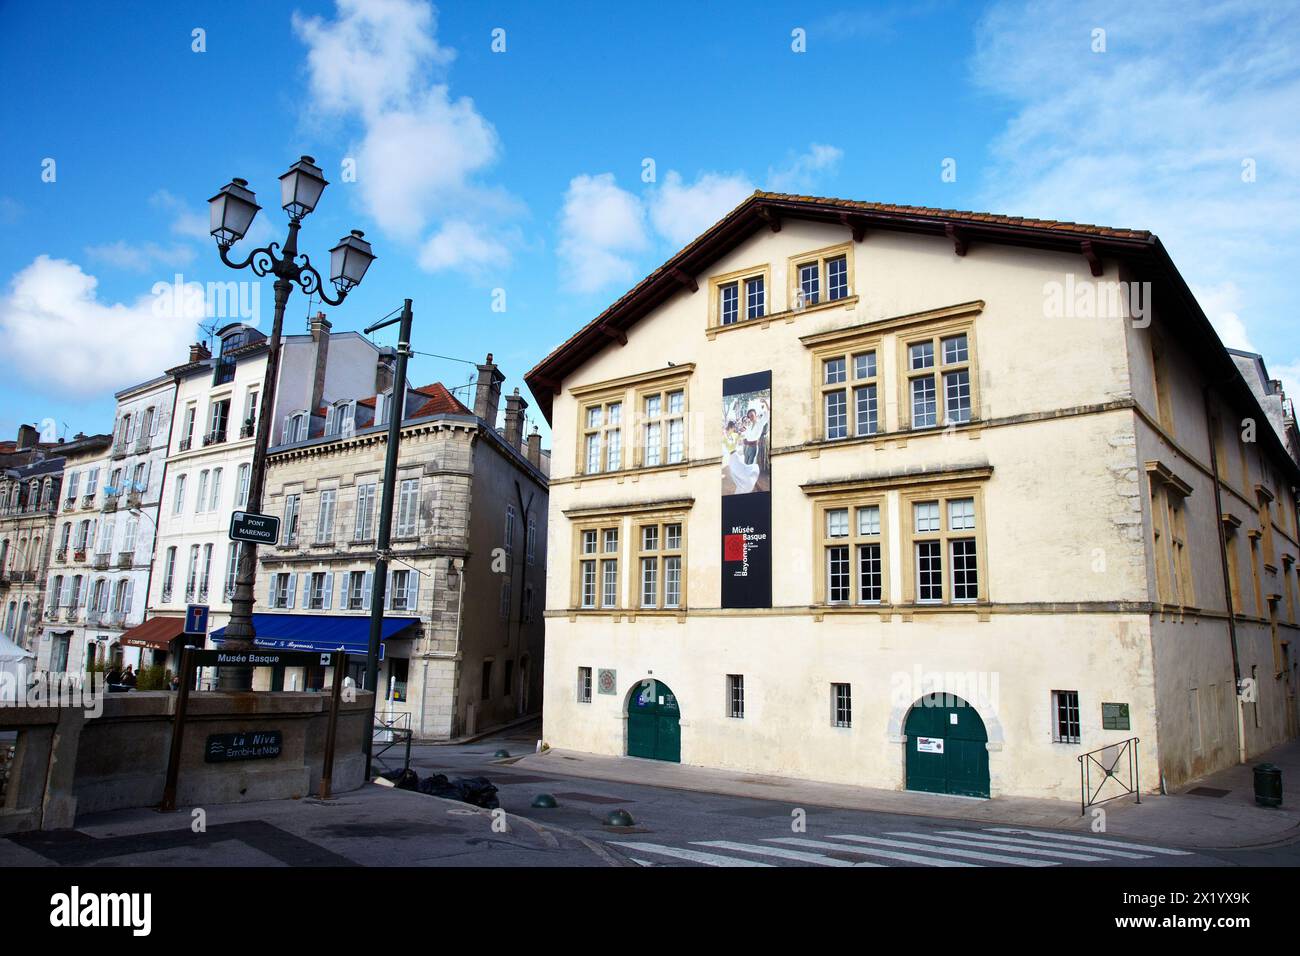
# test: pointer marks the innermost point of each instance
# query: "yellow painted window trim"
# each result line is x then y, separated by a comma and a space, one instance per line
821, 256
600, 557
935, 334
847, 349
822, 541
943, 494
618, 391
664, 420
603, 431
740, 277
659, 554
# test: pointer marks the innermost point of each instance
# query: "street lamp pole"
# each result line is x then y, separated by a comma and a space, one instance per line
396, 412
232, 211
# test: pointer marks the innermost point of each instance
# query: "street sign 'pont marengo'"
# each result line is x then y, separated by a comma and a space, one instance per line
254, 528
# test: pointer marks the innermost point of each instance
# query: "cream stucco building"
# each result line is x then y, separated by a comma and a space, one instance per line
836, 458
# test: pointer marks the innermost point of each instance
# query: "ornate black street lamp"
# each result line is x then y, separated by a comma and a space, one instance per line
232, 210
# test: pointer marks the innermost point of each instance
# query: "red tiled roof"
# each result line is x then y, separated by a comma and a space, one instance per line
440, 402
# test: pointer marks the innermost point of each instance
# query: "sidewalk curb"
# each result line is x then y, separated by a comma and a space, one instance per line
478, 735
545, 831
844, 805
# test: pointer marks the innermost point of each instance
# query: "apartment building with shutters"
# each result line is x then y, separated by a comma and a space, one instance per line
916, 498
462, 618
31, 486
104, 547
210, 451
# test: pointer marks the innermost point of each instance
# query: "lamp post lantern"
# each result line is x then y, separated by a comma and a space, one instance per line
231, 212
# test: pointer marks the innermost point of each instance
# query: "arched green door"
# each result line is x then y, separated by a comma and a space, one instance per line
946, 747
653, 722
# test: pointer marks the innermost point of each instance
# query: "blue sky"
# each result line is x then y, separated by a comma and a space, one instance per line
522, 170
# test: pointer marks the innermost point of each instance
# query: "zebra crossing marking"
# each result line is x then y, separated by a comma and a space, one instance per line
1020, 841
928, 849
692, 856
815, 858
1059, 854
1090, 840
949, 851
870, 851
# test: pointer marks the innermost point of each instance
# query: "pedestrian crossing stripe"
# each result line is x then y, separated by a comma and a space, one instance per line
1091, 840
818, 859
692, 856
1007, 846
871, 851
1056, 854
948, 851
1021, 841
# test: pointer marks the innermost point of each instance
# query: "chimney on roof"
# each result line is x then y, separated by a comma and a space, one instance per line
515, 407
320, 337
487, 392
199, 352
28, 437
534, 452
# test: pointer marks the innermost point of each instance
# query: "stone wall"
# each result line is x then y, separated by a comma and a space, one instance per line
69, 764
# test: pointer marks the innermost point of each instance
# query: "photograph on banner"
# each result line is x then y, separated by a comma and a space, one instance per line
746, 436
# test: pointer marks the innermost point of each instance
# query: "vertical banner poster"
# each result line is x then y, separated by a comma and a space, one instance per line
747, 490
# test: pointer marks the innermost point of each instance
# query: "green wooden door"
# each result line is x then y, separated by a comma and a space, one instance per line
653, 723
946, 750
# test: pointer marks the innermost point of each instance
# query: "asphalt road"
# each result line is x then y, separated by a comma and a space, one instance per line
686, 828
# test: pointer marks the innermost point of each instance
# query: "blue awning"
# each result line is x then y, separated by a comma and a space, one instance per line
320, 632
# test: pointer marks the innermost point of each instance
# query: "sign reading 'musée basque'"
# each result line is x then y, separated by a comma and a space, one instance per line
747, 490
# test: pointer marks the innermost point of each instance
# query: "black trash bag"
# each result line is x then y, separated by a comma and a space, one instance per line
405, 780
436, 786
478, 791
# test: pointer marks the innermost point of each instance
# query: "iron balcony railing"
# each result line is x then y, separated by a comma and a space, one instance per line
1109, 772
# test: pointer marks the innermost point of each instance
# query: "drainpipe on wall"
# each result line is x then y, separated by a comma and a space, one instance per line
460, 607
1227, 579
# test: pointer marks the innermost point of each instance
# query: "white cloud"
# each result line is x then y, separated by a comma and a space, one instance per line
1153, 134
461, 245
415, 164
421, 150
680, 212
601, 226
1221, 305
801, 172
186, 220
142, 256
57, 332
374, 57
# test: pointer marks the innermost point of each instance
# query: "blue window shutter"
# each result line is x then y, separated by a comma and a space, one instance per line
413, 591
293, 588
270, 597
329, 589
367, 587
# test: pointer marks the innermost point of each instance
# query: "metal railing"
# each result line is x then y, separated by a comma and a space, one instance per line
392, 729
1116, 764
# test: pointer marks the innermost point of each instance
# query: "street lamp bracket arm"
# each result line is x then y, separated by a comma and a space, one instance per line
262, 260
309, 279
